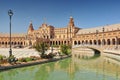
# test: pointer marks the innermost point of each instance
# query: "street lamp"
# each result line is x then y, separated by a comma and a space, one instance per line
97, 37
51, 44
10, 13
116, 42
103, 41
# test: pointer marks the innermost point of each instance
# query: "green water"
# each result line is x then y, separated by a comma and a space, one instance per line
75, 68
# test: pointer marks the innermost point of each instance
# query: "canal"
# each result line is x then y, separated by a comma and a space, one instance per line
84, 66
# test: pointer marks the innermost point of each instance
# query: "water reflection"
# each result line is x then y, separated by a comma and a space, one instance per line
85, 66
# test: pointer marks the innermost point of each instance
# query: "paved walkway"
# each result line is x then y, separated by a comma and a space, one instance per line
22, 52
18, 53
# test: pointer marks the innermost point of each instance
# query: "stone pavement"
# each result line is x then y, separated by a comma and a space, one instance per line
22, 52
19, 53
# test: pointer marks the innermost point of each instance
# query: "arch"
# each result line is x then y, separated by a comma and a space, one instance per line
103, 41
53, 42
21, 43
108, 41
5, 43
99, 42
118, 40
90, 42
15, 43
79, 43
86, 41
2, 43
61, 42
24, 43
64, 42
95, 42
68, 42
30, 43
75, 42
12, 43
82, 41
56, 43
113, 41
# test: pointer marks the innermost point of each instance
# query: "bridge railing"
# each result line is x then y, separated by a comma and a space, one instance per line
103, 47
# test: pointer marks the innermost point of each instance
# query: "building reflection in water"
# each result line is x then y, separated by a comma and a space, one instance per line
104, 64
84, 65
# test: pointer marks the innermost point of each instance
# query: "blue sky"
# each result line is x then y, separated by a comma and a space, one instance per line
86, 13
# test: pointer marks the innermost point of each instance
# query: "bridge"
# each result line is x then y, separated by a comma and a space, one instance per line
96, 49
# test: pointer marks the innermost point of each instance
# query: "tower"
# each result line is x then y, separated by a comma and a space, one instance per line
71, 22
30, 29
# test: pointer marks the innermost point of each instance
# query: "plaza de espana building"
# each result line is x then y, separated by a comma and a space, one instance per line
108, 35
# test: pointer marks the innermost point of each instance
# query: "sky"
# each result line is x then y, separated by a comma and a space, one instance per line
86, 13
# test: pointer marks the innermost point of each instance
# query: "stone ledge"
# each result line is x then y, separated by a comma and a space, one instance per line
31, 63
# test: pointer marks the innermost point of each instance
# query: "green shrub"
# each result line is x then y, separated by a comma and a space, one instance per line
27, 59
1, 57
22, 60
65, 49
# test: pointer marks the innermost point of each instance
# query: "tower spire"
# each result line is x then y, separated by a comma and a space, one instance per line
71, 22
30, 29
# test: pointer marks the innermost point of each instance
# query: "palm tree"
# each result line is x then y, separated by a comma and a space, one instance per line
41, 47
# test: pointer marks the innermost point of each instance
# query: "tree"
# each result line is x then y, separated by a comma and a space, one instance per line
41, 47
65, 49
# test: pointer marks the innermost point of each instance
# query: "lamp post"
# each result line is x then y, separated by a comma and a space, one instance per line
71, 36
116, 42
10, 13
51, 44
97, 37
103, 37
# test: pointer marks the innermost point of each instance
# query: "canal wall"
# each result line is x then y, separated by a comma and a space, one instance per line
25, 64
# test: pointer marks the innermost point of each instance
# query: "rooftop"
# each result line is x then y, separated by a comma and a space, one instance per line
99, 29
12, 35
